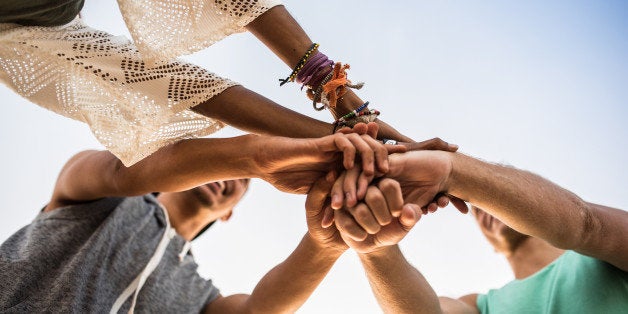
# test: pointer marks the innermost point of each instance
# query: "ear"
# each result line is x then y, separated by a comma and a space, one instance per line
227, 216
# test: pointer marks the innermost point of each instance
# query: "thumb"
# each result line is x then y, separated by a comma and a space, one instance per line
320, 191
410, 215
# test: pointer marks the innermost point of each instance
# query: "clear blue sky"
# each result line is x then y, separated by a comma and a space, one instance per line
539, 85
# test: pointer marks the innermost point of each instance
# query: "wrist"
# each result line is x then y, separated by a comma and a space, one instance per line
329, 249
379, 253
347, 103
453, 180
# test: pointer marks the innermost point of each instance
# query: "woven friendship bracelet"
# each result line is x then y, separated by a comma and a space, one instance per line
299, 65
316, 96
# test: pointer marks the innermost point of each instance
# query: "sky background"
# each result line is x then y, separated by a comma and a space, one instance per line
539, 85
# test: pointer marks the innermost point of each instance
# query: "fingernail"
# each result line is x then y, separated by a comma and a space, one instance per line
453, 146
335, 199
349, 196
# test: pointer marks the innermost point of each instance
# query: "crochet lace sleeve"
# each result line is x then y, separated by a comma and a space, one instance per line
166, 29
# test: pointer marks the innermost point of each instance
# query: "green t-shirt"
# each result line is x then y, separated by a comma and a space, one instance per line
39, 12
573, 283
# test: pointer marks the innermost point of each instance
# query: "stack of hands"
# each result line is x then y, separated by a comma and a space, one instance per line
375, 203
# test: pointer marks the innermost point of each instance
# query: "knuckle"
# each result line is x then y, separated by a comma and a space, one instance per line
388, 184
372, 195
362, 213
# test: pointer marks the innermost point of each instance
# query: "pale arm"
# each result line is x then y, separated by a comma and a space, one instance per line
533, 205
287, 286
522, 200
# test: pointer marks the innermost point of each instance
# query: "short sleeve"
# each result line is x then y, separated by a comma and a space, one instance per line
165, 29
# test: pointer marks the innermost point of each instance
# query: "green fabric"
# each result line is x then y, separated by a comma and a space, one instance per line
39, 12
573, 283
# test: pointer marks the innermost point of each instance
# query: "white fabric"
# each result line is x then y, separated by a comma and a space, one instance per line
136, 285
133, 109
165, 29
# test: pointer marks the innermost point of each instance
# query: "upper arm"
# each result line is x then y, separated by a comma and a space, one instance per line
465, 304
87, 176
229, 304
605, 235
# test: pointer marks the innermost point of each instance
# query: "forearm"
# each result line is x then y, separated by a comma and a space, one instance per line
522, 200
397, 285
287, 286
251, 112
278, 30
189, 163
533, 205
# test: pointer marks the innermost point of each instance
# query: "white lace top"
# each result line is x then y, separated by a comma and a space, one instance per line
136, 98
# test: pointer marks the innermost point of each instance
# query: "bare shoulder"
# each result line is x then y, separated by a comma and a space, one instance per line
465, 304
76, 174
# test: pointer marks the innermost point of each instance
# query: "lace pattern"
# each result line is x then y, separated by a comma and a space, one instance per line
165, 29
100, 79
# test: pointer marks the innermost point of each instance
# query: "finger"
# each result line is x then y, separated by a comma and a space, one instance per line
442, 201
377, 203
337, 192
459, 204
349, 186
347, 148
392, 192
432, 207
318, 193
372, 129
317, 197
363, 217
433, 144
410, 215
363, 183
328, 217
380, 152
345, 130
397, 148
348, 227
366, 152
360, 128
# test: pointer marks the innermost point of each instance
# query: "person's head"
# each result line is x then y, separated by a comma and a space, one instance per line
199, 207
504, 239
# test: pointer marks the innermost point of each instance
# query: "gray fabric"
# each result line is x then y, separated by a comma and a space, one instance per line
79, 259
39, 12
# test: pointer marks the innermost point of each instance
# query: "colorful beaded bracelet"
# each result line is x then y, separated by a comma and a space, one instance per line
353, 113
299, 65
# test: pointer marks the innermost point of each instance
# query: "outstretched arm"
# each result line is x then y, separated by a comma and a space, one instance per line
524, 201
397, 285
281, 33
287, 286
291, 165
